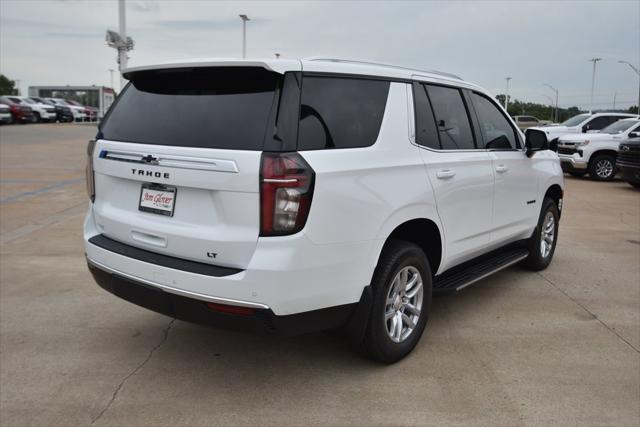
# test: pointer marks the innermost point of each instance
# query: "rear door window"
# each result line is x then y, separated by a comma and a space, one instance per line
338, 112
452, 118
226, 108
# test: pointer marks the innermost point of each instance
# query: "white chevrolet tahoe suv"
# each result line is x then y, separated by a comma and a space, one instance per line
596, 153
290, 196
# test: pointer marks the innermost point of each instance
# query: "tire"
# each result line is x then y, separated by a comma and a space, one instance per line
602, 167
539, 258
577, 174
403, 261
36, 118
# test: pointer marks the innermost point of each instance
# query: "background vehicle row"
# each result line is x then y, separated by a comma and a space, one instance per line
24, 109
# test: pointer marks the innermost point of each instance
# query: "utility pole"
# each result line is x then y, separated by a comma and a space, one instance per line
614, 99
506, 98
244, 18
111, 70
555, 119
593, 80
120, 41
17, 86
638, 73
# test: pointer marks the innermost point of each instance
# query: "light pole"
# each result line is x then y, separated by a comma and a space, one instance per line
555, 117
593, 80
244, 18
615, 94
17, 86
277, 55
638, 73
111, 70
120, 41
506, 98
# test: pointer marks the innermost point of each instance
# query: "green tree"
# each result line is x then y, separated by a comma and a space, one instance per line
7, 86
541, 111
633, 109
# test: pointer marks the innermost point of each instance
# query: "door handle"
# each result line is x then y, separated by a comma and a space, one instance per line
445, 174
501, 168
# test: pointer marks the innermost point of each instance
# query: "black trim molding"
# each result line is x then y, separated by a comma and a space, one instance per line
163, 260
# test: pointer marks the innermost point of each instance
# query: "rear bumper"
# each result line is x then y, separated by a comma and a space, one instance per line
287, 275
260, 320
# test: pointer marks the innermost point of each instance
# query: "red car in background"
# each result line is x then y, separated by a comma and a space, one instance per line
19, 112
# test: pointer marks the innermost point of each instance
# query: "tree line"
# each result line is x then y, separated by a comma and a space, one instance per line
545, 112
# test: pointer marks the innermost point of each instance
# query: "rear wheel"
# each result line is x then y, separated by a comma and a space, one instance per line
401, 302
542, 244
603, 167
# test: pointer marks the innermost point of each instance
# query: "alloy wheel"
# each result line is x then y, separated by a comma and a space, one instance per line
403, 304
547, 235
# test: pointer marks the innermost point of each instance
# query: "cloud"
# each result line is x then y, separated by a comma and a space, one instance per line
534, 42
143, 5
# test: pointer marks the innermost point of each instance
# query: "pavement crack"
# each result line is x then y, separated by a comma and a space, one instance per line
165, 335
592, 314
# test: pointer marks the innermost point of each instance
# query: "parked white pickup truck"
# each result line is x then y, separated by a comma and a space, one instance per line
582, 123
596, 153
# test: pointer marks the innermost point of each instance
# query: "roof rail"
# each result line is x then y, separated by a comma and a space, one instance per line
352, 61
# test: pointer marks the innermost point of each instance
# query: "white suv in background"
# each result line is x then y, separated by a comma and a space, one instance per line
596, 153
301, 195
582, 123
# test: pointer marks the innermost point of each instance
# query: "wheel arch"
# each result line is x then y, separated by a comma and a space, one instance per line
606, 151
556, 193
423, 232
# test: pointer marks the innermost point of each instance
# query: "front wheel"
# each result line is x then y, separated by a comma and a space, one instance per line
542, 244
401, 302
603, 167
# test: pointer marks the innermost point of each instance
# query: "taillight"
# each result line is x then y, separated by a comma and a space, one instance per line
286, 188
89, 174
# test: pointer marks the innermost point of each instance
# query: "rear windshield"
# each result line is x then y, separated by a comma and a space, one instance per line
227, 108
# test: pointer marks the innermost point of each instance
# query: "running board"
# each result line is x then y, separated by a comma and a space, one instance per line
470, 272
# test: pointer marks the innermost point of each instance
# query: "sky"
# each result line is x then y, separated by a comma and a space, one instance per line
59, 42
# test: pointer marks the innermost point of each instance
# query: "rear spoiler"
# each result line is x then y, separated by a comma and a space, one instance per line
279, 66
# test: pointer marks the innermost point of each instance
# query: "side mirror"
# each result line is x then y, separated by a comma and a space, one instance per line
634, 134
585, 128
535, 140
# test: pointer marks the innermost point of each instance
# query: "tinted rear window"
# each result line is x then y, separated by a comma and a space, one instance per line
340, 112
227, 108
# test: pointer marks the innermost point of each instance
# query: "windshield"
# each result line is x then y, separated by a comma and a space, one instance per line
60, 101
576, 120
619, 126
28, 101
70, 102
